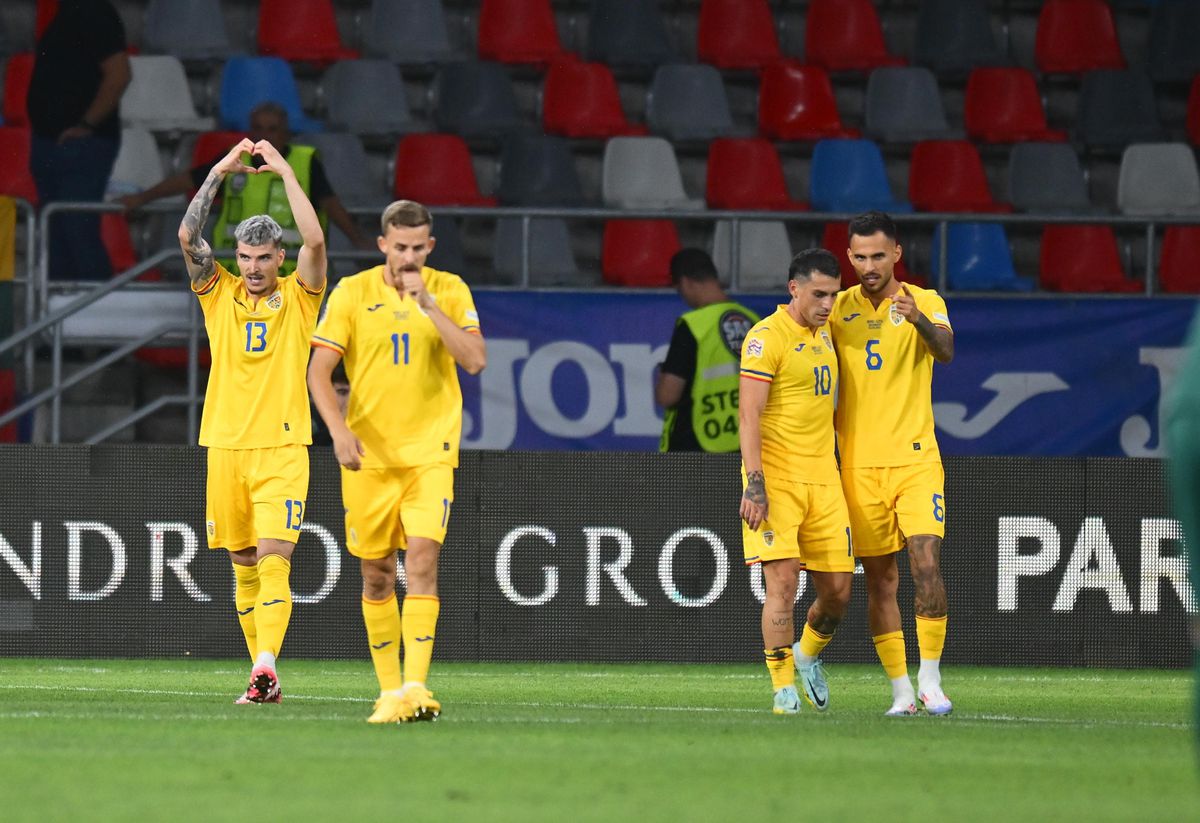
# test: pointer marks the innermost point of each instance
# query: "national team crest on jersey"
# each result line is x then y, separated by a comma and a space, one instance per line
768, 539
825, 339
212, 528
895, 316
275, 301
734, 327
754, 347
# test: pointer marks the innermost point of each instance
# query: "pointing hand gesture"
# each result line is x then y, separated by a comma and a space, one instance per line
906, 304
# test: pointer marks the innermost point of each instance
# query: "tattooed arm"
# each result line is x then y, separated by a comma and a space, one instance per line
752, 399
197, 253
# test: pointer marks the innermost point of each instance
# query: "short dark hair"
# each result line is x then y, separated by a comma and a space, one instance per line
694, 264
813, 260
871, 222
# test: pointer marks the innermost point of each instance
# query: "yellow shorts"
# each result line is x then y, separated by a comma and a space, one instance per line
890, 502
804, 520
254, 494
386, 506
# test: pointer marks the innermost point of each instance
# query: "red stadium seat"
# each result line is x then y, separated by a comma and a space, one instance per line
8, 399
581, 100
846, 35
1083, 259
46, 11
1074, 36
436, 169
1193, 112
15, 178
796, 102
948, 175
118, 242
210, 145
836, 238
518, 31
736, 34
638, 252
304, 31
746, 173
17, 72
1177, 269
1003, 105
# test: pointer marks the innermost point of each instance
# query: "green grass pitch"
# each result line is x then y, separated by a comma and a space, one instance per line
160, 740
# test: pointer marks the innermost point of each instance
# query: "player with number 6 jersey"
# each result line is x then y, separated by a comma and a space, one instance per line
403, 330
256, 421
888, 334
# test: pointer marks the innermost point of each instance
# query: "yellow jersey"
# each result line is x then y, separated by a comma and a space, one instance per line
405, 401
797, 421
885, 412
257, 394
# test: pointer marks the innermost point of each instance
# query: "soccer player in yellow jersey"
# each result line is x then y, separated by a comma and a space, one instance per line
403, 330
256, 421
887, 335
794, 515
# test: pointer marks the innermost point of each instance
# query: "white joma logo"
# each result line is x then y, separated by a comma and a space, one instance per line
1011, 388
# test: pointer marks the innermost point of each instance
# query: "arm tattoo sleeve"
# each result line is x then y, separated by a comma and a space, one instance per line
198, 253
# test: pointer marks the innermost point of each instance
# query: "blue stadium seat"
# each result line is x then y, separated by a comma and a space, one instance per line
977, 259
248, 81
849, 176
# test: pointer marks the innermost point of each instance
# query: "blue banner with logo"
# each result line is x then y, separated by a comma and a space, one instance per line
574, 370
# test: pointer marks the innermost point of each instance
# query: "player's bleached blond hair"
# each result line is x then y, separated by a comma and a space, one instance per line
259, 230
405, 214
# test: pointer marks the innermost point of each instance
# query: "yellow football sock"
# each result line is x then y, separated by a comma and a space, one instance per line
779, 664
382, 618
418, 625
890, 648
812, 642
931, 636
245, 595
274, 608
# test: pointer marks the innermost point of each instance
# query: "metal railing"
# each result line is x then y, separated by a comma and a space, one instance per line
38, 288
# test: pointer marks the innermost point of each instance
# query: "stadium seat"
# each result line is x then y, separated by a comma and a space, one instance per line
436, 169
551, 261
518, 31
955, 36
1193, 112
17, 71
582, 100
138, 166
796, 102
836, 238
763, 256
538, 170
978, 258
1158, 179
1075, 36
849, 176
746, 173
447, 254
1047, 177
736, 34
15, 178
367, 97
1003, 105
346, 166
688, 102
209, 147
643, 173
628, 33
202, 20
948, 175
159, 98
118, 242
46, 11
304, 31
1083, 259
475, 100
248, 81
408, 32
904, 105
1171, 53
1117, 108
1177, 269
845, 35
638, 252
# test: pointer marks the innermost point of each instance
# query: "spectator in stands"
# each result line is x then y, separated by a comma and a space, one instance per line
244, 194
698, 381
80, 72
